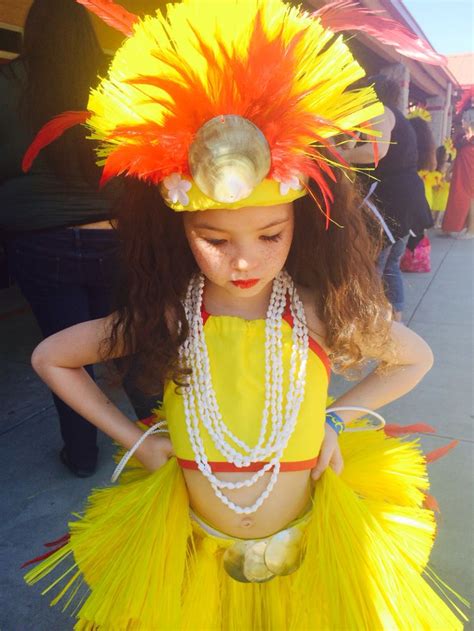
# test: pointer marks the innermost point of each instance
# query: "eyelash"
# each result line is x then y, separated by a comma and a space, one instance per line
272, 239
215, 242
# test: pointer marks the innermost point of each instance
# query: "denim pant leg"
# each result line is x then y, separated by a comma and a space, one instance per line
48, 267
389, 266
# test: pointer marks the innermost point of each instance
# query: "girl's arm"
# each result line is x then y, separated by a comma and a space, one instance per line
413, 360
364, 153
59, 361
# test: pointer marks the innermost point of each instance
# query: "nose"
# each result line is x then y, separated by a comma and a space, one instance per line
241, 264
243, 260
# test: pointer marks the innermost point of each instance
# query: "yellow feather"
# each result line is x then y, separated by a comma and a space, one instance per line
367, 545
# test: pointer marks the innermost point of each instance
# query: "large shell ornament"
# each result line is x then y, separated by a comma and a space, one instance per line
228, 158
283, 554
234, 558
258, 561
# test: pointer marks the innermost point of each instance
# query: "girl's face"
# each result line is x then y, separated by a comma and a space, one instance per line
242, 250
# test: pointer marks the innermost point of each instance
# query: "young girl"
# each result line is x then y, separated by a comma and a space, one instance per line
441, 185
244, 507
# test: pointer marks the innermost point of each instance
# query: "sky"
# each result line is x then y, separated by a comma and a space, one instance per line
448, 24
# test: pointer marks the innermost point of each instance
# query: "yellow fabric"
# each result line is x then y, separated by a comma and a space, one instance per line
237, 357
267, 193
146, 567
429, 179
440, 191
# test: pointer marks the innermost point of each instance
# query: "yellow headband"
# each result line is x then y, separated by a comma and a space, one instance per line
181, 193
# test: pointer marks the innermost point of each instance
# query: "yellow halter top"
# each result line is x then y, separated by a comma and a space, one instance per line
236, 350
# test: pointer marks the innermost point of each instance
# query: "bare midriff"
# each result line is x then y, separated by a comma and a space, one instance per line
287, 501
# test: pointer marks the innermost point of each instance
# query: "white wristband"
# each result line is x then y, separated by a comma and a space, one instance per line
158, 428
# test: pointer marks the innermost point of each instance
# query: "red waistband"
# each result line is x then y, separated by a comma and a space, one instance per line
228, 467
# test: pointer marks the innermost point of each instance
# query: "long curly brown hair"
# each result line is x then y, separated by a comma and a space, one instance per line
337, 264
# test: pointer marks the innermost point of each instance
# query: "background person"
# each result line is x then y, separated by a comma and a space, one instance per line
60, 244
441, 185
398, 191
459, 216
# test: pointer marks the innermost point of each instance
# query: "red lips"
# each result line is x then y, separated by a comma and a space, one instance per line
245, 284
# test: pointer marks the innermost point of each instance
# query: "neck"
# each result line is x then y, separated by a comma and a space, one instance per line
218, 301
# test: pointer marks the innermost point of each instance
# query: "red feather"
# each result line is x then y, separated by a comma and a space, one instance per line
62, 540
347, 15
431, 503
60, 543
112, 14
436, 454
398, 430
50, 132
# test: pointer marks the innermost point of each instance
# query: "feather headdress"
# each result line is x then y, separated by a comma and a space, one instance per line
448, 144
418, 111
228, 104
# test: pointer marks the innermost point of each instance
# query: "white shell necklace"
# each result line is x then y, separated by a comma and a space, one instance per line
278, 421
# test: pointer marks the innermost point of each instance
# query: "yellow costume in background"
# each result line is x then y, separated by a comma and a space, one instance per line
440, 192
436, 189
429, 179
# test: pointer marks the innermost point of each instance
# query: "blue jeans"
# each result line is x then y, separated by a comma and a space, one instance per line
388, 266
67, 276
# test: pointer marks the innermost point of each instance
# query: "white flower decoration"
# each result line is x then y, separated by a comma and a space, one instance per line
292, 183
177, 188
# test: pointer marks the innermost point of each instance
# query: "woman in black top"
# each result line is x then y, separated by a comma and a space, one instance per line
61, 247
394, 185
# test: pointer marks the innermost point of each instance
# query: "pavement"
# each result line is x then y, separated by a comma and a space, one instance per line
38, 494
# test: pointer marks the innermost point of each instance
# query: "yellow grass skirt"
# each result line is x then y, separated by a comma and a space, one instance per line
135, 561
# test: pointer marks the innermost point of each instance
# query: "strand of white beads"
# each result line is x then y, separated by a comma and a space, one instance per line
200, 403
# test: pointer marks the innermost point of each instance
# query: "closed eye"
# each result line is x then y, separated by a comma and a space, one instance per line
271, 238
215, 242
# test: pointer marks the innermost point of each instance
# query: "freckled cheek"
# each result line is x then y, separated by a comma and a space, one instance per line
275, 257
208, 258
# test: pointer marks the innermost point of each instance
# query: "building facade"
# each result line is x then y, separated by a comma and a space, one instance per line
434, 87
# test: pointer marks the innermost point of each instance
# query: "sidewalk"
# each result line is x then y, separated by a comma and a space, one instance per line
39, 494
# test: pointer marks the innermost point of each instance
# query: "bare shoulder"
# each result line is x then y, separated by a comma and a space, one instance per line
316, 327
